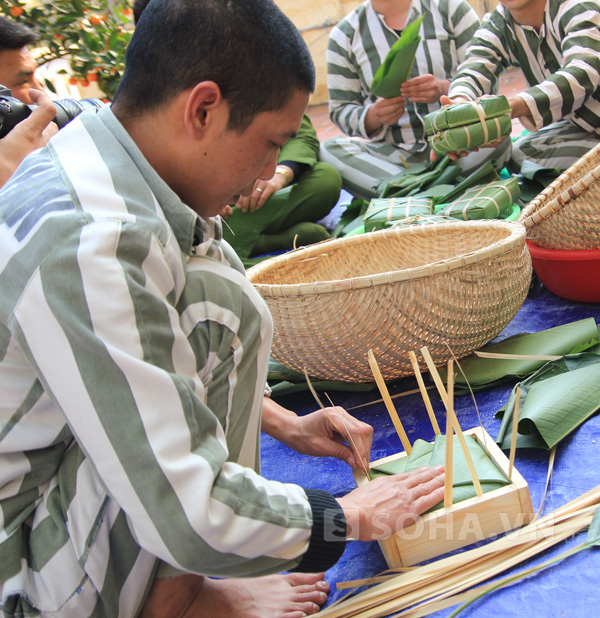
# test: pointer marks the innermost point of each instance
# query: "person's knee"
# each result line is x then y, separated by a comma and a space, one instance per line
329, 181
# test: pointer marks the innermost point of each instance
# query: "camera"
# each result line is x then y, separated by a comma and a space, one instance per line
13, 111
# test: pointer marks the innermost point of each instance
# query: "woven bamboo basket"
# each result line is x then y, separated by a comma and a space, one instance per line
566, 215
571, 220
573, 174
394, 291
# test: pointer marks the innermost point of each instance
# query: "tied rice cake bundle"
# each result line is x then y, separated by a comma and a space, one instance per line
468, 125
382, 212
493, 200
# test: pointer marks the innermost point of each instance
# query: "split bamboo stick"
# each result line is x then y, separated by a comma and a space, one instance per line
423, 390
449, 445
454, 574
388, 402
513, 440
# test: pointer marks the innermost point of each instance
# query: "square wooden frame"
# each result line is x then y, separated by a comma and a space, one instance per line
464, 523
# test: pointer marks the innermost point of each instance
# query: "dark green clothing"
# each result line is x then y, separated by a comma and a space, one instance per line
293, 210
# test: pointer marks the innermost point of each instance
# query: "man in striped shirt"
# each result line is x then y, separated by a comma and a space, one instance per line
557, 45
385, 135
134, 352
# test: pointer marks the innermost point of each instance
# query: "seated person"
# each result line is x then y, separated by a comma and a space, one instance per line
134, 351
17, 66
556, 44
387, 135
271, 220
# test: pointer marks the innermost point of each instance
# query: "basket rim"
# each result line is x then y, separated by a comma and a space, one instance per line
516, 236
563, 199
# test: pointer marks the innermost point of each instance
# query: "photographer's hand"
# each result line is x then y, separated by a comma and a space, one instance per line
29, 135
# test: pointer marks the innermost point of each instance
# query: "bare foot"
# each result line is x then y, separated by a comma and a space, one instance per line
293, 595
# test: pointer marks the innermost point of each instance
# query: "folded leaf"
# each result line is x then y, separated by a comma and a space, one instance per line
427, 454
554, 401
398, 63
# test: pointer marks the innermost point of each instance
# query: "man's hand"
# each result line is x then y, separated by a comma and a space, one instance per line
384, 111
261, 192
382, 507
29, 135
424, 89
324, 433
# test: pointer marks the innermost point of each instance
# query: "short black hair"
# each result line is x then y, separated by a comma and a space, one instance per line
14, 35
138, 9
249, 48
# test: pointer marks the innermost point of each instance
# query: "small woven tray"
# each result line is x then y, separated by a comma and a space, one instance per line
570, 220
394, 291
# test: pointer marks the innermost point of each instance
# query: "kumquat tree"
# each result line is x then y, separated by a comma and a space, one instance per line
91, 35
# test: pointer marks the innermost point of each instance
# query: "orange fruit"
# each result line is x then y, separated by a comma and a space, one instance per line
73, 81
95, 19
84, 83
16, 11
92, 77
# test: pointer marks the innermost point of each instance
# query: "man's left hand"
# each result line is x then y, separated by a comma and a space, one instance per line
424, 89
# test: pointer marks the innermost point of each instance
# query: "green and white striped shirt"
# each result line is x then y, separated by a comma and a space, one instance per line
121, 339
359, 44
561, 64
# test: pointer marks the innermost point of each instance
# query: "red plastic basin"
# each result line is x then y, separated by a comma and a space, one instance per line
570, 274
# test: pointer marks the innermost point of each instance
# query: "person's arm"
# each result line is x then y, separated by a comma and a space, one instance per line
349, 107
325, 433
29, 135
486, 58
568, 88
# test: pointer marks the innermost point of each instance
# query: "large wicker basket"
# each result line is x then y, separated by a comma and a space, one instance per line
394, 291
566, 214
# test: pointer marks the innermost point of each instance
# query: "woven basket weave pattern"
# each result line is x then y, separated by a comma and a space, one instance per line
566, 215
571, 220
394, 291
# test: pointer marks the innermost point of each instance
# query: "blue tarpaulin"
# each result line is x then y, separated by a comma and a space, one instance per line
570, 588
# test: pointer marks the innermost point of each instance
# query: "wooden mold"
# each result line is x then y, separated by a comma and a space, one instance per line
464, 523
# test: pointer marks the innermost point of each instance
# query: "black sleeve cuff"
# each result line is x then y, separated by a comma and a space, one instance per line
297, 168
328, 537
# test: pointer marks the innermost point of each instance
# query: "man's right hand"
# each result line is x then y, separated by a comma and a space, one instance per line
382, 507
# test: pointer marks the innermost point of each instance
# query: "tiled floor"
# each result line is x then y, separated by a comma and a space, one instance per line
511, 82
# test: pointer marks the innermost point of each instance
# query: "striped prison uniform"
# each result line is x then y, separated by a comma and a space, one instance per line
561, 65
357, 47
132, 373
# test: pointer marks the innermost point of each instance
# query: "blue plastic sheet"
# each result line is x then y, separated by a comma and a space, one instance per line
569, 588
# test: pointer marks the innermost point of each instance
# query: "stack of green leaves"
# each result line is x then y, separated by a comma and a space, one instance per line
490, 201
482, 373
555, 400
464, 126
398, 63
383, 211
427, 454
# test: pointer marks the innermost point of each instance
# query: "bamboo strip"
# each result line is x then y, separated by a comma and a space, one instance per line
415, 365
435, 375
501, 554
364, 466
494, 355
388, 402
513, 440
393, 597
449, 443
404, 394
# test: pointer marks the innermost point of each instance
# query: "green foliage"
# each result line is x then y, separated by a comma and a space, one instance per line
92, 35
